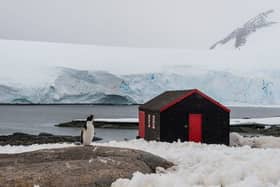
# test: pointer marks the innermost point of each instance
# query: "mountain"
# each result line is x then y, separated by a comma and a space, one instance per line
240, 35
42, 72
188, 24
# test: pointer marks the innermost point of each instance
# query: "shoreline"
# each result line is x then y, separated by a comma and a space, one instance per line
19, 138
129, 104
126, 123
57, 104
253, 129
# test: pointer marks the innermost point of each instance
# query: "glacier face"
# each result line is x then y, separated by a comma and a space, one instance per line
77, 86
80, 86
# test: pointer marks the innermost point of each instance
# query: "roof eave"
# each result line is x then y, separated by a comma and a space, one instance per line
191, 93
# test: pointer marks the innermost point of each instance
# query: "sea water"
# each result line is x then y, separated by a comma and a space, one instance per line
34, 119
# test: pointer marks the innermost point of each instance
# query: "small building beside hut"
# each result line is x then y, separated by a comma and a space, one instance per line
188, 115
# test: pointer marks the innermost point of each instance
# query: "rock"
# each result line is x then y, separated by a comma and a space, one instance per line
272, 131
100, 124
28, 139
256, 129
75, 166
73, 123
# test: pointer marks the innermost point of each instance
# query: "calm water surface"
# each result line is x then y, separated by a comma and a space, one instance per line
34, 119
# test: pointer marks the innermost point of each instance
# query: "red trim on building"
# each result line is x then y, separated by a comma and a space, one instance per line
141, 130
191, 93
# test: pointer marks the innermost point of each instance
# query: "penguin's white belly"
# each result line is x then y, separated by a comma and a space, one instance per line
88, 135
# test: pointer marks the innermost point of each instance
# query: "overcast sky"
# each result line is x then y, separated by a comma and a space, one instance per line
141, 23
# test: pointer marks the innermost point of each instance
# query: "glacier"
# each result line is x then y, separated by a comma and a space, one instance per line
101, 87
44, 72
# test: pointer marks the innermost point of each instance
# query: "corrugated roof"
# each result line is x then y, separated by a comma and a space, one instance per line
169, 98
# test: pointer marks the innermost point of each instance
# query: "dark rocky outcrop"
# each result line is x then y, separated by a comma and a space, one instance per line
256, 129
100, 124
75, 166
42, 138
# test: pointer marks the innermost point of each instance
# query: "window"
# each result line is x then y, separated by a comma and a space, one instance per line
153, 121
149, 121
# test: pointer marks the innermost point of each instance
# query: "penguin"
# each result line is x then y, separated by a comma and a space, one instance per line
87, 131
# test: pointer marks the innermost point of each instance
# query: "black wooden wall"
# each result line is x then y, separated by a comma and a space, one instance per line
152, 133
215, 121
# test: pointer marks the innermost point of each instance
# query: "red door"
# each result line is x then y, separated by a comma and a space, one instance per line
141, 128
195, 127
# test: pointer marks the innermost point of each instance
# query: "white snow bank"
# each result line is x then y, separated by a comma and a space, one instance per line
206, 165
234, 121
121, 120
255, 142
8, 149
199, 164
265, 121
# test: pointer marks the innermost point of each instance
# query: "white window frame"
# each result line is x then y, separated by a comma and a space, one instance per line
149, 121
153, 121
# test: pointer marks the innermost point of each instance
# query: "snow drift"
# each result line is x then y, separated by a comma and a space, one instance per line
199, 164
207, 165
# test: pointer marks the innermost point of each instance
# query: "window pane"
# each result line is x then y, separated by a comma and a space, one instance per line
149, 120
153, 121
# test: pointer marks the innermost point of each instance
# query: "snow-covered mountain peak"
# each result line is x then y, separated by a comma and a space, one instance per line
240, 35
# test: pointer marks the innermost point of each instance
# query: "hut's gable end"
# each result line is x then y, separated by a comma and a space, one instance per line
175, 120
168, 117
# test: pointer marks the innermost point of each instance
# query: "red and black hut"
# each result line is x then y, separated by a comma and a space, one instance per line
188, 115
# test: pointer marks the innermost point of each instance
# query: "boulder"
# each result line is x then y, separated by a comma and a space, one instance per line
256, 129
93, 166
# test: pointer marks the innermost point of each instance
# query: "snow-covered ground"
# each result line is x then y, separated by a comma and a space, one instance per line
234, 121
207, 165
200, 165
20, 149
121, 120
264, 121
